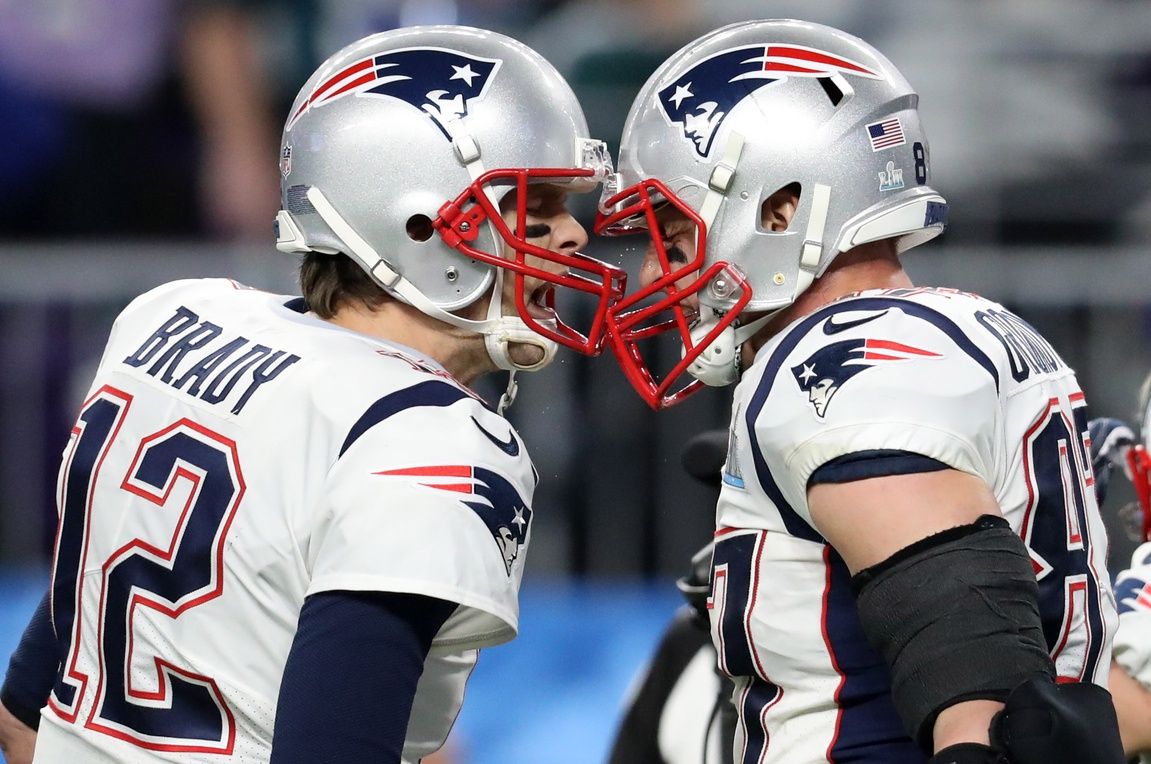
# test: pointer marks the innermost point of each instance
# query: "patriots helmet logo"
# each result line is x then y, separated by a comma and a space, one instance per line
437, 81
826, 370
485, 492
700, 98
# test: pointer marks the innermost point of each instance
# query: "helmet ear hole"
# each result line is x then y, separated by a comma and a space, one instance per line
420, 228
779, 207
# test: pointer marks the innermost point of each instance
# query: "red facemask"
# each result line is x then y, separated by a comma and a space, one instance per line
459, 224
629, 323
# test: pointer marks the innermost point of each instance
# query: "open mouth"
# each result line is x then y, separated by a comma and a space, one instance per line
541, 303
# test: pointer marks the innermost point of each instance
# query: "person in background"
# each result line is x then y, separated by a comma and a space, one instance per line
1115, 444
288, 525
133, 118
680, 711
882, 436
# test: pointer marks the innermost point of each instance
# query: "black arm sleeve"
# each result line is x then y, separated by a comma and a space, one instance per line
956, 617
351, 676
32, 669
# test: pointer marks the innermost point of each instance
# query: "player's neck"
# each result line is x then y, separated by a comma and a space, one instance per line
460, 352
869, 266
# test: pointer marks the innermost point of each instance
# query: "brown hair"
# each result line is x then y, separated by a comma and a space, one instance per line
329, 282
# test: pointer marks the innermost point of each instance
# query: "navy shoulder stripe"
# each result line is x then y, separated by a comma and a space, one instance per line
862, 465
430, 393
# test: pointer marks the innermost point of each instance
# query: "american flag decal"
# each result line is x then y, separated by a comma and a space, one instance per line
885, 134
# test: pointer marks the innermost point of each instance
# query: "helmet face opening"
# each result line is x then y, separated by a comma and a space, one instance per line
536, 271
669, 304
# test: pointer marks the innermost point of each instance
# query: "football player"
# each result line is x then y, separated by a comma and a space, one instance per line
909, 559
1113, 443
287, 526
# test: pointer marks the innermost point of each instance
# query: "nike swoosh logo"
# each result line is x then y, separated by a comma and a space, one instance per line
830, 327
510, 446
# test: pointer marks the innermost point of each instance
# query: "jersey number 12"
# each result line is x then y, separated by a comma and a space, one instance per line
175, 709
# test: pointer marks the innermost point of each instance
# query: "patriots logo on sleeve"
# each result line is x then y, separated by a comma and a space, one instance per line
1133, 593
829, 368
486, 493
704, 95
437, 81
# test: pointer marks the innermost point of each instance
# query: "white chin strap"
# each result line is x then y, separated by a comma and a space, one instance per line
719, 363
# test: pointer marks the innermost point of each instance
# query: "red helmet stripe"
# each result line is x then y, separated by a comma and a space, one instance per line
814, 56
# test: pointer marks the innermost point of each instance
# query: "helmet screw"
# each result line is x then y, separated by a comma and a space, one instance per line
778, 278
743, 195
720, 287
464, 226
451, 273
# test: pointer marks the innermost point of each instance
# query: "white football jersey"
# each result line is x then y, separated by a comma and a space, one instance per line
889, 375
1133, 592
233, 457
1132, 649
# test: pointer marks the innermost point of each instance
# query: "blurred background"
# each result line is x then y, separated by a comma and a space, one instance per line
139, 145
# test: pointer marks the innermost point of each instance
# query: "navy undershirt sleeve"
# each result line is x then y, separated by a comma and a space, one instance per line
32, 668
869, 464
351, 676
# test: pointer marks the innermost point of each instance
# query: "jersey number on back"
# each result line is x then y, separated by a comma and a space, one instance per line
157, 704
1057, 529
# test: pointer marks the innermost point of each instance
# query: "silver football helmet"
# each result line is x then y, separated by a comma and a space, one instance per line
397, 153
740, 113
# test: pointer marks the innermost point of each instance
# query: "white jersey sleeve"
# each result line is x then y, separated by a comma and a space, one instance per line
1132, 648
874, 382
431, 500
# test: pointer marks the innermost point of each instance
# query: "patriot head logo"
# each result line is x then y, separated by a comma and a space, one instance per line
486, 493
828, 369
437, 81
704, 95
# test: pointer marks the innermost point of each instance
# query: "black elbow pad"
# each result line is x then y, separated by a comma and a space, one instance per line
956, 617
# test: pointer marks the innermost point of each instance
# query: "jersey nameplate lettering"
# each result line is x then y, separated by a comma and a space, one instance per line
1026, 349
196, 357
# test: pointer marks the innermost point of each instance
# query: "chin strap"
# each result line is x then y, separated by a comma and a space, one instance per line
500, 330
720, 179
719, 363
813, 239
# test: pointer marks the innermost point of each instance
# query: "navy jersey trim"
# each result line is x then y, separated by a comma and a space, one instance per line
795, 524
869, 727
862, 465
430, 393
297, 305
